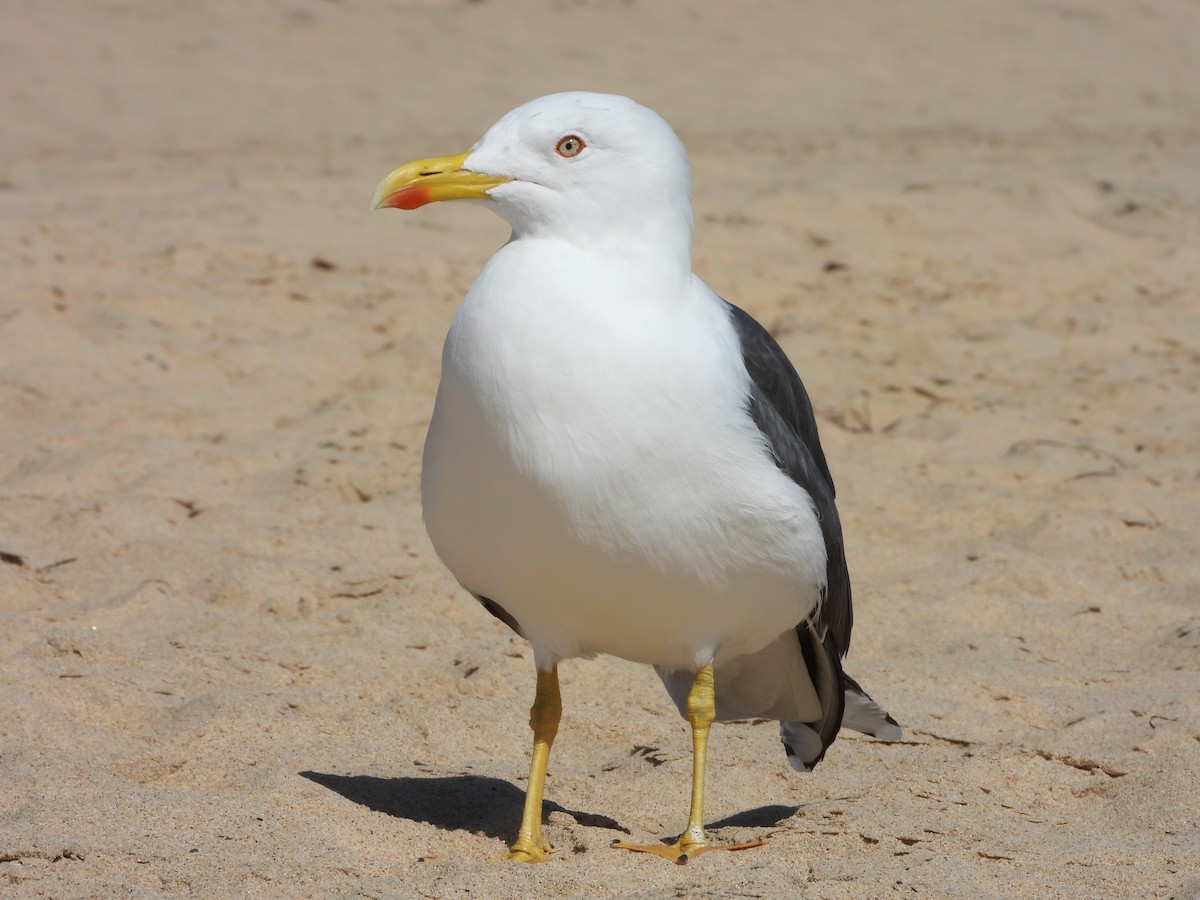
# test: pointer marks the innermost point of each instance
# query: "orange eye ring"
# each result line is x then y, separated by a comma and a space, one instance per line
569, 146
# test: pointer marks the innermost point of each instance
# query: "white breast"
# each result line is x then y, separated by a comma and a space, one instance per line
592, 468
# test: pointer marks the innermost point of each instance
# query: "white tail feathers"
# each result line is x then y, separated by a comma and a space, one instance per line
866, 716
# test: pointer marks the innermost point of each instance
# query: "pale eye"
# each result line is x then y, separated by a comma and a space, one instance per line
571, 145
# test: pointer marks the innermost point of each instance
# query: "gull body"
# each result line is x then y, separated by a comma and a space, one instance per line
579, 466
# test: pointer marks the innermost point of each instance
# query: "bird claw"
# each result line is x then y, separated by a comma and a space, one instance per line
527, 851
683, 850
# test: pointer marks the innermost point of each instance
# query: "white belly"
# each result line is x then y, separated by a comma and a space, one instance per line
598, 476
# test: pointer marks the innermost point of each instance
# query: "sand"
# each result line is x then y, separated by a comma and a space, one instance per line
232, 664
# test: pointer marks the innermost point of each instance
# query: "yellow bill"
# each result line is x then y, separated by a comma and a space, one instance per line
428, 180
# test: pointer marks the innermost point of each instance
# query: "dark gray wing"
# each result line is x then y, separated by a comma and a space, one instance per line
781, 409
806, 742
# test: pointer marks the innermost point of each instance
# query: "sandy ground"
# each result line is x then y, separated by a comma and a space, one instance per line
231, 664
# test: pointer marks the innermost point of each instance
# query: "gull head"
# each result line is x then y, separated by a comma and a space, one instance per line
581, 167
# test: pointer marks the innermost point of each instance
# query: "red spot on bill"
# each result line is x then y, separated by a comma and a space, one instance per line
407, 198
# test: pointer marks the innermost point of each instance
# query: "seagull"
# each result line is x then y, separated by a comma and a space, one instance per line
619, 461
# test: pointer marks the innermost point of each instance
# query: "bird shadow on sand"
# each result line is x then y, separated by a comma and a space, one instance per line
471, 803
759, 817
491, 806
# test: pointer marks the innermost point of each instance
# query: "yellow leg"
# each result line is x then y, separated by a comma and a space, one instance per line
701, 710
543, 719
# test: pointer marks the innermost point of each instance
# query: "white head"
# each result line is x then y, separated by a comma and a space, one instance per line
581, 167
